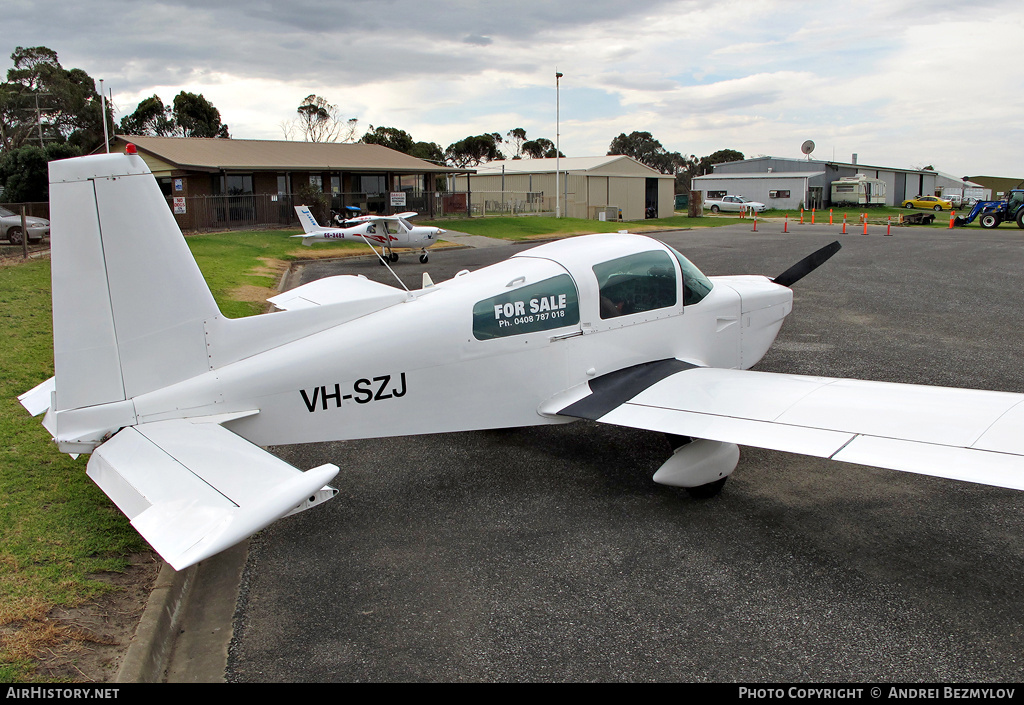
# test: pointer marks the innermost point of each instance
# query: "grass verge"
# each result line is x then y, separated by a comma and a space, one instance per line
58, 532
532, 227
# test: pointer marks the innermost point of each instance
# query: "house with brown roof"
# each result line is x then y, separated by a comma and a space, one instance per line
232, 183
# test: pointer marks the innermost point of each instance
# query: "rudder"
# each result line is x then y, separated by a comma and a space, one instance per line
129, 301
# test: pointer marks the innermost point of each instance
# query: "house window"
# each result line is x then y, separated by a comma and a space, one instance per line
233, 185
316, 181
716, 194
282, 184
371, 184
778, 194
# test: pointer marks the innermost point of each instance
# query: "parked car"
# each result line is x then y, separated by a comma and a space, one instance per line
10, 227
733, 203
933, 203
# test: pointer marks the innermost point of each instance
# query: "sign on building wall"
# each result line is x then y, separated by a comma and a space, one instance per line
398, 199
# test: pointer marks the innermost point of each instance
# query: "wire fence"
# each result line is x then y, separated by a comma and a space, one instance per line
258, 211
269, 211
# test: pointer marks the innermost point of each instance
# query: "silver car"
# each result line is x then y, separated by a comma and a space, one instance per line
10, 227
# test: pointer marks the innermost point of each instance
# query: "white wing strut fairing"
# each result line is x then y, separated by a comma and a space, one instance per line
961, 434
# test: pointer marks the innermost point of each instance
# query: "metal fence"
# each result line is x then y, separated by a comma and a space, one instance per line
266, 211
204, 213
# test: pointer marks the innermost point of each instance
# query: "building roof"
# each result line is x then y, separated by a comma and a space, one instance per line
218, 154
763, 175
821, 162
610, 165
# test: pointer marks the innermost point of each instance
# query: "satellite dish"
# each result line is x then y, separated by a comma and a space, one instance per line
807, 147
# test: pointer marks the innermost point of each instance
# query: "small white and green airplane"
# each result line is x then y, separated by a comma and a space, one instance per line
174, 401
388, 231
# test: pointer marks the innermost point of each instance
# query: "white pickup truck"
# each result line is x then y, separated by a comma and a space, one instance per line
733, 203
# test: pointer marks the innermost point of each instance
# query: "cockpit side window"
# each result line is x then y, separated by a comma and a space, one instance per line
546, 305
695, 285
636, 283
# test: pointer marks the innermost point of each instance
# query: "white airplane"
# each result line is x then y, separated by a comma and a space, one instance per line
174, 401
388, 231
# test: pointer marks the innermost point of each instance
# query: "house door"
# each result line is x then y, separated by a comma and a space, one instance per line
651, 199
814, 197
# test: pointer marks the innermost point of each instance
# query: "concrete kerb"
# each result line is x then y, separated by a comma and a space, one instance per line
150, 648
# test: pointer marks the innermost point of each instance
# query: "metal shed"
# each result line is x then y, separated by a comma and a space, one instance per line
775, 190
900, 184
607, 187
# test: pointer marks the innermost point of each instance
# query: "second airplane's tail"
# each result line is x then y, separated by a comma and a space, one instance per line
309, 223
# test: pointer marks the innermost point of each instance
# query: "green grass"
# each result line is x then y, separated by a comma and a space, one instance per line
233, 260
527, 227
58, 530
876, 215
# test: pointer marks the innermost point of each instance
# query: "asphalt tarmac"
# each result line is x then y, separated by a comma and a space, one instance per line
548, 554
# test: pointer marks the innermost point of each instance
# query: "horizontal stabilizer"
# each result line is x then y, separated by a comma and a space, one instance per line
37, 399
961, 434
194, 488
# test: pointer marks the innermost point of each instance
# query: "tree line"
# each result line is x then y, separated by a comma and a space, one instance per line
48, 112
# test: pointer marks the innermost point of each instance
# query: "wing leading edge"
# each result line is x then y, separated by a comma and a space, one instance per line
960, 434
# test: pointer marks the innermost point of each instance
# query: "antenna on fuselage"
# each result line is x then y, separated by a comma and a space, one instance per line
384, 260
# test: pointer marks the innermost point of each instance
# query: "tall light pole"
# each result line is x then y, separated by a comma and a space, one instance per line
558, 151
103, 109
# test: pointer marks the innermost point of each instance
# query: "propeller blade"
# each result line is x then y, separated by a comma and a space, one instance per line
807, 265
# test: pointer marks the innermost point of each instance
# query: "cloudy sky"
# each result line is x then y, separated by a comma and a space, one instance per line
899, 82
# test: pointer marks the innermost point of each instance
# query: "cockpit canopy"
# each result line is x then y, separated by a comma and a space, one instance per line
618, 276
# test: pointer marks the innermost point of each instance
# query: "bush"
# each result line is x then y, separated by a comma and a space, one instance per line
319, 203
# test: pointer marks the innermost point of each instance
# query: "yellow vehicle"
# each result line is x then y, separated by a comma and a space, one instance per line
929, 203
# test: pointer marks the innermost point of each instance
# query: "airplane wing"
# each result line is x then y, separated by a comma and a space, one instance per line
192, 488
960, 434
396, 216
363, 295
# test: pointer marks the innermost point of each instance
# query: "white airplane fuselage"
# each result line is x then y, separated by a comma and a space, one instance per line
352, 381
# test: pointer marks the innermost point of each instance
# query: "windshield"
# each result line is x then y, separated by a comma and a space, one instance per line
4, 212
741, 199
695, 285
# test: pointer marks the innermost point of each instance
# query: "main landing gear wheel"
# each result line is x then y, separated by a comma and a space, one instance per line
394, 257
423, 258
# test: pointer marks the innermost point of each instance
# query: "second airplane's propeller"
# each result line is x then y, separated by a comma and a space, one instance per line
807, 265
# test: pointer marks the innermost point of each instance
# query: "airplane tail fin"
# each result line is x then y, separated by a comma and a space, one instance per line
130, 306
309, 223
